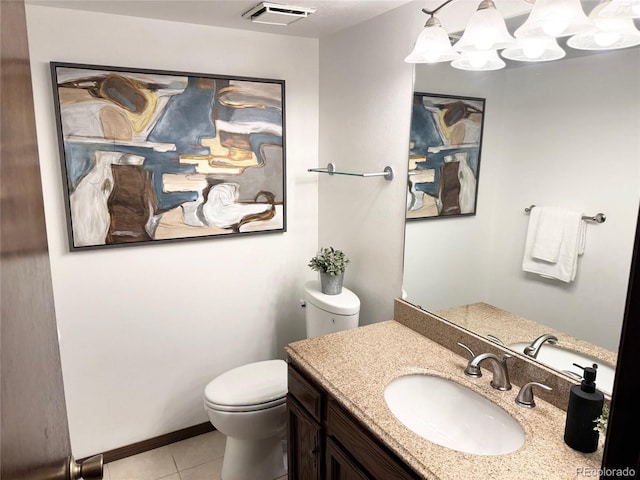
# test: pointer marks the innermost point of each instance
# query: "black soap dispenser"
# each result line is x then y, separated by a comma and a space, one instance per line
585, 405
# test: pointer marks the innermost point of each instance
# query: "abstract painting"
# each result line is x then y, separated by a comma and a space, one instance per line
444, 155
155, 156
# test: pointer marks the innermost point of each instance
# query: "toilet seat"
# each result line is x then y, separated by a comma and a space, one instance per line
245, 408
252, 387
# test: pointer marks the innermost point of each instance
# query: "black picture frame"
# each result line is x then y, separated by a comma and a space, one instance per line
154, 156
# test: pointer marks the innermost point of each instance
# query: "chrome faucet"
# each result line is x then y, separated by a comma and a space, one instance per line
472, 371
525, 396
534, 349
500, 379
495, 339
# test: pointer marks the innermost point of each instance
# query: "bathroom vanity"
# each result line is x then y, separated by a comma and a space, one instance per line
328, 442
341, 428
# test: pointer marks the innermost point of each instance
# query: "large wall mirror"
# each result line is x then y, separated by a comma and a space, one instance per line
563, 134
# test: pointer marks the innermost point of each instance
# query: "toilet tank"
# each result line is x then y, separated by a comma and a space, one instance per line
329, 313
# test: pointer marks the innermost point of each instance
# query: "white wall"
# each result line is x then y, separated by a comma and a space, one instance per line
365, 98
571, 140
143, 329
365, 108
562, 134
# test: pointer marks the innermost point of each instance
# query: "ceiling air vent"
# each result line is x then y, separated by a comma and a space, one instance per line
276, 14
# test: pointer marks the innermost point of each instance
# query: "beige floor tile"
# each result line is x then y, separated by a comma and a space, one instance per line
207, 471
173, 476
150, 465
198, 450
105, 472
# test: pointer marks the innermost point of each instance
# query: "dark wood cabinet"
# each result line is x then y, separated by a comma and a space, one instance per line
325, 442
366, 451
305, 438
304, 444
340, 466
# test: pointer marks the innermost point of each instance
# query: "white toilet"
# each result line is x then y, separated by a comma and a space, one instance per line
248, 403
329, 313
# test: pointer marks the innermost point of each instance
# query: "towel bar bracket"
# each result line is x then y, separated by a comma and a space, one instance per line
598, 217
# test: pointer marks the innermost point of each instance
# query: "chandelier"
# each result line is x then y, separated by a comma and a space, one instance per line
609, 26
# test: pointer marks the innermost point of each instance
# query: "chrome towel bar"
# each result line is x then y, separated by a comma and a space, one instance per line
598, 217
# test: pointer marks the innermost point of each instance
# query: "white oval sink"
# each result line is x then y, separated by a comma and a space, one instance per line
453, 416
561, 359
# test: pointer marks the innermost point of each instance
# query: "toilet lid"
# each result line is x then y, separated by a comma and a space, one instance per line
252, 384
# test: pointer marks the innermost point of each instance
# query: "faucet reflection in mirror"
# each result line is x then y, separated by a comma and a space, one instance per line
547, 346
609, 26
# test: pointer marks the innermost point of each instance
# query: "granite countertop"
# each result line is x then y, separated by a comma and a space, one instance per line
484, 319
355, 366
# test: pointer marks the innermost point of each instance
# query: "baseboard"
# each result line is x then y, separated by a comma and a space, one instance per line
156, 442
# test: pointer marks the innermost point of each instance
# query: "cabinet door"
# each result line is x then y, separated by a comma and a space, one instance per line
374, 458
340, 466
304, 444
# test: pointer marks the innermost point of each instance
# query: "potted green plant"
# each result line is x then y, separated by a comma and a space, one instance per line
602, 421
331, 264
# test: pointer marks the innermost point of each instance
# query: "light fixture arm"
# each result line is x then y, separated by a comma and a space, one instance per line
436, 10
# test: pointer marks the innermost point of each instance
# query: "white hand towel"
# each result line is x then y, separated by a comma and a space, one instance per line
582, 236
548, 235
572, 245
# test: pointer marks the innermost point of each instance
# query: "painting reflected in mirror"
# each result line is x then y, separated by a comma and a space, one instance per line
559, 134
444, 155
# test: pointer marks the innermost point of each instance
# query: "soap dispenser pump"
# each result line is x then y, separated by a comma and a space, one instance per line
585, 406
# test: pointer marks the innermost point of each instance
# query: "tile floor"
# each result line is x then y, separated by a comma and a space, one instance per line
197, 458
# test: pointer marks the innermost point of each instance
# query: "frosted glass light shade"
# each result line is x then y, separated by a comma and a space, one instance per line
534, 49
432, 46
555, 18
479, 61
609, 33
485, 30
622, 8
